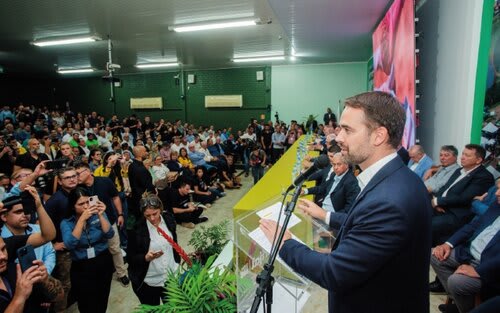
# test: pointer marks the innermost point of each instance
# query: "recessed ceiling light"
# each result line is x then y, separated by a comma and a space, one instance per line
258, 59
156, 65
75, 70
214, 25
64, 41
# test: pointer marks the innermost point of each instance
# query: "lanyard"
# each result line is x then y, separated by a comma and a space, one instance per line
174, 245
87, 235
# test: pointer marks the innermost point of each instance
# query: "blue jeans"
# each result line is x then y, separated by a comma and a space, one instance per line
257, 173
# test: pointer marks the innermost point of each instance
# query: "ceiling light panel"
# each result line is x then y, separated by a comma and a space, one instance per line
64, 41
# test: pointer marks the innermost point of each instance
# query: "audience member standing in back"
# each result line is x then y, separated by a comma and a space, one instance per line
140, 180
257, 163
329, 116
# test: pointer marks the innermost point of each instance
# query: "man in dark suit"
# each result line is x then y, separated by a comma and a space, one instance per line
140, 180
469, 261
380, 260
452, 202
340, 190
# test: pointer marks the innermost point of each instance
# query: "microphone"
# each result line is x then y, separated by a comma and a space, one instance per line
321, 162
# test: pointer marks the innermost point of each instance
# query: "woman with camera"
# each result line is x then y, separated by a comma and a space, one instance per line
85, 235
151, 250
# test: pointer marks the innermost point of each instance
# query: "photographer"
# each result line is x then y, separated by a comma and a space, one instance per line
17, 288
7, 157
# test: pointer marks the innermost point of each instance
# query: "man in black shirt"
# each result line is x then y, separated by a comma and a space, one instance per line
179, 203
140, 180
32, 158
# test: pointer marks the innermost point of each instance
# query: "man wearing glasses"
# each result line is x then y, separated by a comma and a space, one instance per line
57, 208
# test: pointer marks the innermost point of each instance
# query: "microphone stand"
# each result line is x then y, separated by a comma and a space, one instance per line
265, 278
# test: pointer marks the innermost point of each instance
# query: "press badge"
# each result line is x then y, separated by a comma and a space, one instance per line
90, 253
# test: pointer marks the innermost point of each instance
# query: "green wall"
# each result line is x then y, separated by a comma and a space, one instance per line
180, 101
300, 90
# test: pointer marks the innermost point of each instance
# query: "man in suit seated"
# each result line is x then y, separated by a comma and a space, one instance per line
435, 178
469, 261
452, 202
340, 190
419, 161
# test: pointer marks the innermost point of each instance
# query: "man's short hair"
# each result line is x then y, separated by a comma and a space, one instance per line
82, 165
450, 148
334, 148
63, 170
381, 109
480, 151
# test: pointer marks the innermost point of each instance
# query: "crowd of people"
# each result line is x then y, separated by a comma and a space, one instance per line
102, 189
109, 187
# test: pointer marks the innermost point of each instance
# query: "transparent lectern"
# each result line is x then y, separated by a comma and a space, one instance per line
291, 291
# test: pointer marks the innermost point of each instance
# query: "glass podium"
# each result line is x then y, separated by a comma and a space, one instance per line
291, 290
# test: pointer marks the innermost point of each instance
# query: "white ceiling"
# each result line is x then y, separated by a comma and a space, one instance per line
320, 31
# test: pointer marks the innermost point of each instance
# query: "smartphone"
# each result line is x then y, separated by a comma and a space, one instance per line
93, 200
29, 205
26, 256
56, 164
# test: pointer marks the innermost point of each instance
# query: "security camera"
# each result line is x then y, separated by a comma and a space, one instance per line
112, 66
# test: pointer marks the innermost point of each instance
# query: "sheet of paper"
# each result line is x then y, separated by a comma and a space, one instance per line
272, 213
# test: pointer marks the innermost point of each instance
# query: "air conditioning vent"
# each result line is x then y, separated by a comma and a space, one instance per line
146, 103
226, 101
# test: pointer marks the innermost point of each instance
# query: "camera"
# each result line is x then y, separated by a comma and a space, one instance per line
56, 164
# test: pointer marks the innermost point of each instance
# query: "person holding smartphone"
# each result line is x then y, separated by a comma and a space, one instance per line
16, 287
151, 255
85, 235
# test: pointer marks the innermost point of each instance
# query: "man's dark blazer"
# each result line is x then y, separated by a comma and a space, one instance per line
380, 261
343, 195
489, 267
459, 198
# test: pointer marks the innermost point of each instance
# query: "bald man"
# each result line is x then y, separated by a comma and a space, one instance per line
419, 161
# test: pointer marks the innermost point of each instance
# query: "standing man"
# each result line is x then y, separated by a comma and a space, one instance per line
385, 238
140, 181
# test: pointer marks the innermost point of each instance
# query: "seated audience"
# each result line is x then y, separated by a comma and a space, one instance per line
151, 256
435, 178
228, 177
419, 161
179, 203
452, 202
341, 189
469, 261
202, 192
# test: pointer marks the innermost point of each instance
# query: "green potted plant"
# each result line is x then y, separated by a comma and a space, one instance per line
200, 289
208, 241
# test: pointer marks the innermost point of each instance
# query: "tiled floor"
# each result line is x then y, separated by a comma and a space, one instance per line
123, 300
